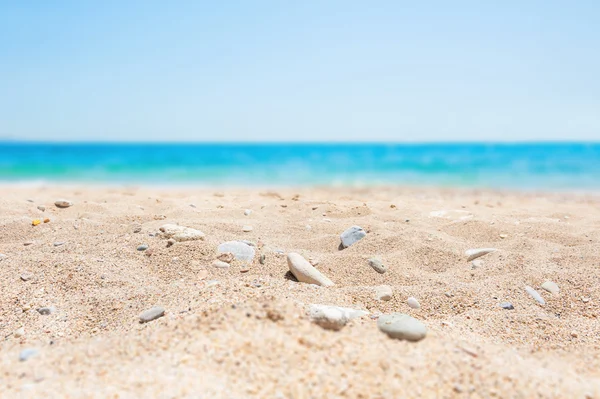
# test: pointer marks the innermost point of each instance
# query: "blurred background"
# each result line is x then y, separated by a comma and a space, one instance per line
458, 93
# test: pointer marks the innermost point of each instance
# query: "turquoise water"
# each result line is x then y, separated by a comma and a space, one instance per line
521, 166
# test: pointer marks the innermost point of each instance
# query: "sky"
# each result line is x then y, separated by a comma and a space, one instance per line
394, 71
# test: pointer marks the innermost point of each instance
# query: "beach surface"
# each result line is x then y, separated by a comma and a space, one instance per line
73, 289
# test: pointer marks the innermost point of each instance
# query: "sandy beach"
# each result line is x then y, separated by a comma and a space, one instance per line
244, 331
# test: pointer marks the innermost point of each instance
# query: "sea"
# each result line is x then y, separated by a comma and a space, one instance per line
521, 166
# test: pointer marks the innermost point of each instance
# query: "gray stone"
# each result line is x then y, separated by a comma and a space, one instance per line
240, 251
352, 235
477, 252
333, 317
413, 303
142, 247
62, 203
383, 293
59, 243
45, 311
41, 208
219, 264
402, 326
507, 306
27, 353
377, 265
152, 314
551, 287
535, 295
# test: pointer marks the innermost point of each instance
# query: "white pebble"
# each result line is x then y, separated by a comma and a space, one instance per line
535, 295
476, 253
551, 287
413, 303
180, 233
247, 212
333, 317
305, 272
62, 203
247, 229
383, 293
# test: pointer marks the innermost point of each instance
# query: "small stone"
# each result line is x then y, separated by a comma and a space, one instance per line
413, 303
535, 295
247, 212
333, 317
503, 236
192, 205
26, 276
180, 233
19, 332
45, 311
59, 243
35, 222
574, 334
46, 220
226, 257
27, 353
152, 314
476, 253
170, 242
305, 272
247, 229
62, 203
585, 300
30, 200
28, 243
402, 326
245, 268
240, 251
261, 260
220, 264
507, 306
142, 247
137, 228
551, 287
352, 235
383, 293
377, 265
476, 263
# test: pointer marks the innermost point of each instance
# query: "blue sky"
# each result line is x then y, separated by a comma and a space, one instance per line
297, 71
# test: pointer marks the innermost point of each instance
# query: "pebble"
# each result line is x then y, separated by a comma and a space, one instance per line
30, 200
170, 242
383, 293
262, 259
239, 250
476, 263
41, 208
59, 243
551, 287
402, 326
413, 303
62, 203
503, 236
377, 265
305, 272
27, 353
507, 306
476, 253
192, 205
26, 276
247, 229
142, 247
220, 264
28, 243
535, 295
247, 212
333, 317
36, 222
45, 311
181, 233
152, 314
19, 332
137, 228
352, 235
